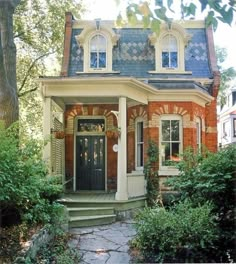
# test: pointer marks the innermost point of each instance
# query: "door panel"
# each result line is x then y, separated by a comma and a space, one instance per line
90, 163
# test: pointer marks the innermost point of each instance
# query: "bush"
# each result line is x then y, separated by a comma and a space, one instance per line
25, 188
181, 234
211, 177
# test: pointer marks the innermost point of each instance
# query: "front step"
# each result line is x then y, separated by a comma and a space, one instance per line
86, 221
90, 211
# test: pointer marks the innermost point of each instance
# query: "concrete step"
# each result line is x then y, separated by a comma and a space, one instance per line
90, 211
86, 221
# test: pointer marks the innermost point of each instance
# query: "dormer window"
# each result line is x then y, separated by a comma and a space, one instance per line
169, 51
169, 47
97, 40
98, 52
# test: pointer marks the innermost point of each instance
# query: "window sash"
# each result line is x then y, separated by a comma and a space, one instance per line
170, 141
98, 52
234, 127
169, 52
139, 145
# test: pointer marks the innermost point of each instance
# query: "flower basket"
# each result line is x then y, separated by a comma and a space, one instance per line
59, 134
113, 133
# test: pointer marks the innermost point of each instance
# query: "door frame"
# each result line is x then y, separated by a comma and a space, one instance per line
76, 133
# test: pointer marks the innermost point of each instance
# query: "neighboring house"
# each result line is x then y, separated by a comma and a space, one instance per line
227, 120
148, 86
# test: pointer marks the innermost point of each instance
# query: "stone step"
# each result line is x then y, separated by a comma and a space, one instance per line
86, 221
90, 211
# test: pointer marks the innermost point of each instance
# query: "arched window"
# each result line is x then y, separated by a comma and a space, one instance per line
169, 49
98, 52
97, 43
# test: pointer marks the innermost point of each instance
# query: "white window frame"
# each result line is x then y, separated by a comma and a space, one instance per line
138, 143
199, 133
98, 68
170, 170
167, 49
182, 39
83, 40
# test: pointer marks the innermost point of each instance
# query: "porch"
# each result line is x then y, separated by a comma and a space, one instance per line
99, 208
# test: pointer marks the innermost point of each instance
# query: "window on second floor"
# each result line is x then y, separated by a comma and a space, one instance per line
97, 41
98, 52
169, 54
169, 47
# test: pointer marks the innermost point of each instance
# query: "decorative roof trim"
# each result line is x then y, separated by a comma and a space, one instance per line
91, 28
172, 27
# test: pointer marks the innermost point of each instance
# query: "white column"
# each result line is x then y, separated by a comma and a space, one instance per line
122, 189
47, 124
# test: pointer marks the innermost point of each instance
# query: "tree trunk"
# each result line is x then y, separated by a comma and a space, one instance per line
9, 107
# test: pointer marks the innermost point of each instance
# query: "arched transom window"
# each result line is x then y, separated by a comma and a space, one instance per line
98, 52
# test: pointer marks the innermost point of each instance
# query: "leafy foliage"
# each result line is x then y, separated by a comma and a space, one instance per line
181, 234
215, 11
58, 251
24, 186
211, 177
227, 75
38, 33
151, 174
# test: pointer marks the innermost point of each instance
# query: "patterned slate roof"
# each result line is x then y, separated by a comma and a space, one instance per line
134, 56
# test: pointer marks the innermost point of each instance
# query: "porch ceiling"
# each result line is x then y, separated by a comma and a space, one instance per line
91, 100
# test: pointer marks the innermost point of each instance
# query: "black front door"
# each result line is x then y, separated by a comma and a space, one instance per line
90, 163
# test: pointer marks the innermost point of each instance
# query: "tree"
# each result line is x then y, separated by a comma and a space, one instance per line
227, 75
37, 35
39, 42
152, 16
9, 107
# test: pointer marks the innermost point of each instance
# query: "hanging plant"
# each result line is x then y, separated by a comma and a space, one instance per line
113, 132
59, 134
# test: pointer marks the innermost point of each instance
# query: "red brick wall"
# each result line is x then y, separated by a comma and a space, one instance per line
151, 116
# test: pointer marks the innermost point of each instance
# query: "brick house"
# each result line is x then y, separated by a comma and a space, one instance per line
131, 81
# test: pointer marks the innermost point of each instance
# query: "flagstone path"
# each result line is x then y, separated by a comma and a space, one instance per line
107, 244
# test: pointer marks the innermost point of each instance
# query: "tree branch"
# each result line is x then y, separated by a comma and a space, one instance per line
31, 67
27, 92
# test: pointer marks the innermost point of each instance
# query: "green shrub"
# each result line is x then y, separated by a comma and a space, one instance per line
25, 187
211, 177
182, 233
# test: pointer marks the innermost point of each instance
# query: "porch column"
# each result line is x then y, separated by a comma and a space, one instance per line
122, 189
47, 124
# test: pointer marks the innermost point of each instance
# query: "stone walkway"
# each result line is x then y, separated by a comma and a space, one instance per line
104, 244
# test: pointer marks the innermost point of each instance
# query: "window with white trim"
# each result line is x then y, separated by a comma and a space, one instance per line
234, 127
98, 52
139, 145
169, 53
198, 133
97, 42
170, 49
170, 140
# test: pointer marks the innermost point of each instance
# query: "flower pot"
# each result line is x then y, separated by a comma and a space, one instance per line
59, 134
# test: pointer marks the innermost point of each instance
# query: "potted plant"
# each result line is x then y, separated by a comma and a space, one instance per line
113, 132
59, 134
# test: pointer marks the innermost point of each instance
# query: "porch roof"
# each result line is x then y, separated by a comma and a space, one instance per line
92, 90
